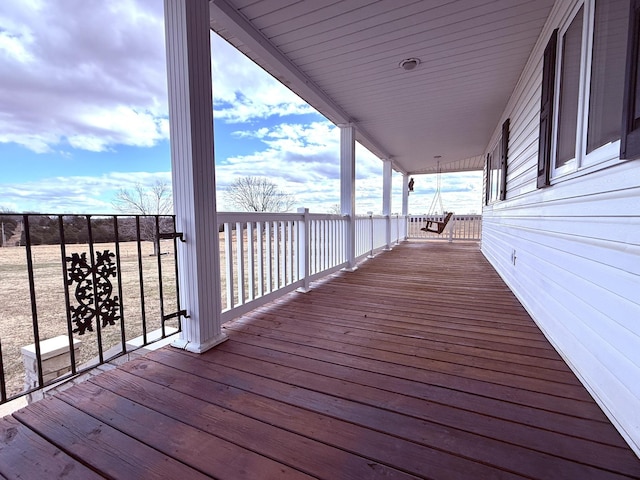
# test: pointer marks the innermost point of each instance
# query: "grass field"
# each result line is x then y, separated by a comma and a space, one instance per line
16, 327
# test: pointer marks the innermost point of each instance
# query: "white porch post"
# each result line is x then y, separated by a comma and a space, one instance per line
386, 200
347, 189
193, 172
405, 204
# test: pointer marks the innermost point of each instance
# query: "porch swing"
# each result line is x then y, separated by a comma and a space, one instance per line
435, 226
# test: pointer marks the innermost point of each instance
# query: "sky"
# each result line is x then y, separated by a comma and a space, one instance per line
83, 114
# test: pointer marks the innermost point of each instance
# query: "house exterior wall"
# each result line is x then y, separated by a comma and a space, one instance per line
571, 252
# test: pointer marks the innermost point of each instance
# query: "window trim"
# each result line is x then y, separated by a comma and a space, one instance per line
630, 141
608, 151
496, 164
571, 164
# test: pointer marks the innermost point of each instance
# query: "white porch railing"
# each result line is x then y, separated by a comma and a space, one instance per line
460, 227
266, 255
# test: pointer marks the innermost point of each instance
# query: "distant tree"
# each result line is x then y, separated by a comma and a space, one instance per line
258, 194
146, 200
334, 209
8, 224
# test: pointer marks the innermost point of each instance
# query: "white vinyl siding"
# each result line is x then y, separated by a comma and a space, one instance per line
571, 252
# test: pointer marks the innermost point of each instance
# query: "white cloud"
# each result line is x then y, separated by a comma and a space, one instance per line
242, 91
121, 125
88, 73
461, 193
304, 160
64, 194
96, 76
11, 46
295, 152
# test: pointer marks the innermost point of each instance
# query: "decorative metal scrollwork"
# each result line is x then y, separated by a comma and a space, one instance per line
101, 304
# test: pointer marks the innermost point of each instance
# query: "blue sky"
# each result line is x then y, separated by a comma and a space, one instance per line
83, 113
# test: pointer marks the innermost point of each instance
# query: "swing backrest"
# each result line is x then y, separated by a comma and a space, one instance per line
440, 226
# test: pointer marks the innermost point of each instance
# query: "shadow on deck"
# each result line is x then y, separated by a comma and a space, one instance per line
421, 364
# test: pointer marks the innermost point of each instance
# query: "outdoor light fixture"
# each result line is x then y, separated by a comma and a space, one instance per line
409, 64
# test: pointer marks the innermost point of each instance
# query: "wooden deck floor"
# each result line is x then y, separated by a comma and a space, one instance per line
421, 364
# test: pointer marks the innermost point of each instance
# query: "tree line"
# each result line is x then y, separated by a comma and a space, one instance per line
251, 194
46, 229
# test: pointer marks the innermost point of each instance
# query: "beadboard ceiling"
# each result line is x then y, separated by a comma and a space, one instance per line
343, 56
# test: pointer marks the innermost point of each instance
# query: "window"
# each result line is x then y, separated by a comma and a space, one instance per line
582, 91
607, 73
630, 144
496, 186
493, 173
569, 91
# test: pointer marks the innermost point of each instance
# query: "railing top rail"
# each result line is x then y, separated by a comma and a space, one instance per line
257, 216
266, 216
327, 216
382, 217
91, 215
455, 215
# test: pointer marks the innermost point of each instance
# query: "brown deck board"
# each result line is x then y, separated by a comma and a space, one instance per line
195, 447
460, 403
352, 335
398, 413
541, 400
308, 414
303, 453
448, 368
102, 447
421, 364
405, 337
23, 453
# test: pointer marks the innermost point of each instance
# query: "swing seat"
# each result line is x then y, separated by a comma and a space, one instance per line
437, 227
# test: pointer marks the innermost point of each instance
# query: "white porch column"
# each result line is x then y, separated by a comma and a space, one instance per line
386, 199
405, 194
405, 204
348, 188
193, 172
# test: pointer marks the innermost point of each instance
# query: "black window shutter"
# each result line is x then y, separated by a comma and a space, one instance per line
503, 160
546, 110
630, 135
487, 185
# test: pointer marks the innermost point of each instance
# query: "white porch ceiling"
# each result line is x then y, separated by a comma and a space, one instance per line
342, 57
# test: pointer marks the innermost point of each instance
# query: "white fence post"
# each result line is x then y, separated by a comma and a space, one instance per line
55, 358
304, 250
240, 261
452, 224
387, 232
228, 250
372, 232
387, 173
251, 274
